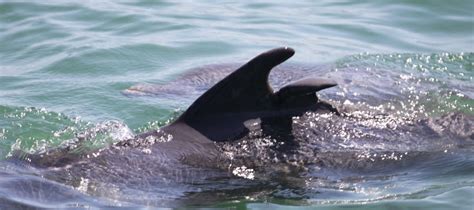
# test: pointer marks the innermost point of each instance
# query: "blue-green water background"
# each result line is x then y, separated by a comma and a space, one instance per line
75, 58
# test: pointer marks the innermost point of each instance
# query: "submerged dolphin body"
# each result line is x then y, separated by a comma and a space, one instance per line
222, 114
185, 156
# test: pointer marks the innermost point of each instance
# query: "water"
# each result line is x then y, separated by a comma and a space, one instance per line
405, 74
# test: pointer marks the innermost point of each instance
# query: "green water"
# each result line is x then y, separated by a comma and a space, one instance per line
71, 61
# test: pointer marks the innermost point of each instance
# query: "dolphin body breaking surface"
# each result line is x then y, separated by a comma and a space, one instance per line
224, 113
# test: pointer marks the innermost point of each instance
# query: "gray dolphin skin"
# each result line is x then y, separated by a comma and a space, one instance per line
245, 95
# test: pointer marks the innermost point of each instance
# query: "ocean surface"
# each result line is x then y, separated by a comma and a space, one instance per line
108, 70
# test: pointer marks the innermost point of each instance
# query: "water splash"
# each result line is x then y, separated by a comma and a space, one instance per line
35, 131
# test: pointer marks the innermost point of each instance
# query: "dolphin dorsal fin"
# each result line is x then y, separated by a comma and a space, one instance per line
304, 87
243, 90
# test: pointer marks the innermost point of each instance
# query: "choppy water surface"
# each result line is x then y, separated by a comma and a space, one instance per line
105, 71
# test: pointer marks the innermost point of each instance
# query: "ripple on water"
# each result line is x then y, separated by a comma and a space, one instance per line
406, 139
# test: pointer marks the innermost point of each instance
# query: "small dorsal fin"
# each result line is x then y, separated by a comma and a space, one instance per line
304, 87
242, 90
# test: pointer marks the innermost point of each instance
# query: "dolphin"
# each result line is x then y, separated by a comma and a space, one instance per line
185, 159
222, 114
186, 154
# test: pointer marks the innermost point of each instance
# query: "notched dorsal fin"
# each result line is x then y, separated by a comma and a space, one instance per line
243, 90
